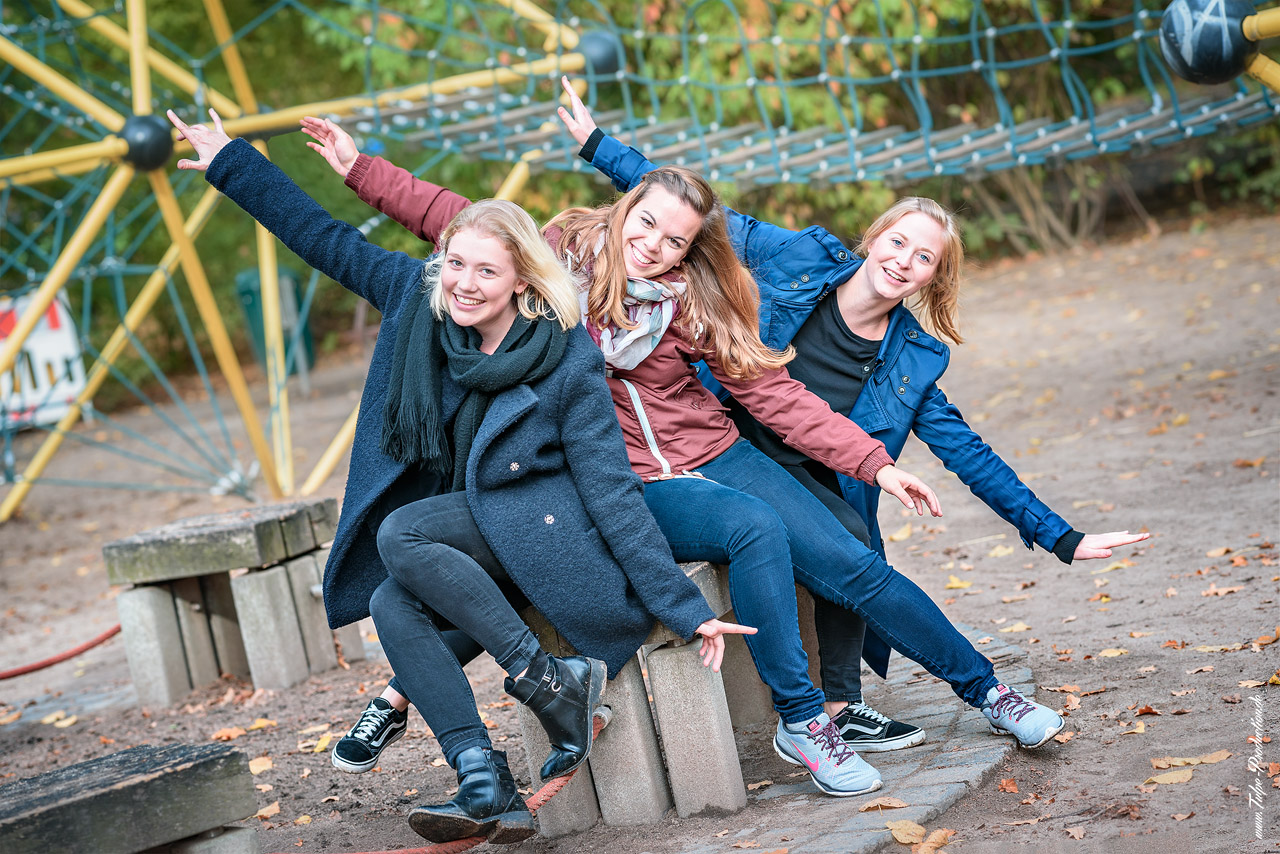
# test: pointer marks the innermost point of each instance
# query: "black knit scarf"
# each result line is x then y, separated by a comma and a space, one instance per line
412, 428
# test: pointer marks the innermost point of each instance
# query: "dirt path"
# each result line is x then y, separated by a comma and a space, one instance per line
1131, 386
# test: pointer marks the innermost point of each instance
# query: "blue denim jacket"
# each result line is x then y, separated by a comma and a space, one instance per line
796, 269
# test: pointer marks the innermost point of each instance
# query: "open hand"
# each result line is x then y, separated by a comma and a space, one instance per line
909, 489
205, 141
332, 143
579, 123
1100, 545
713, 632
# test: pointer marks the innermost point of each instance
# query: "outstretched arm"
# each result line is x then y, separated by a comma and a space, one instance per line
1100, 545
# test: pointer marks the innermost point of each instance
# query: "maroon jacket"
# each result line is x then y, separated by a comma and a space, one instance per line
687, 425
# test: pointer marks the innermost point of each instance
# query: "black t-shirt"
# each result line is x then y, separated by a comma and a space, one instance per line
831, 361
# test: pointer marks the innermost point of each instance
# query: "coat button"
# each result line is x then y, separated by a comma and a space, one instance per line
805, 277
911, 333
901, 390
549, 519
795, 285
866, 368
906, 379
515, 467
842, 255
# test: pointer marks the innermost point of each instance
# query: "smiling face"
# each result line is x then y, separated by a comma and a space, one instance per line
657, 233
904, 258
480, 285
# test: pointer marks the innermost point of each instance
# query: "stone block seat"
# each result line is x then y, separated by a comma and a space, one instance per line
235, 592
676, 751
176, 799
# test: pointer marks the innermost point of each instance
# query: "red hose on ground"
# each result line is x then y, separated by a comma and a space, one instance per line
71, 653
537, 800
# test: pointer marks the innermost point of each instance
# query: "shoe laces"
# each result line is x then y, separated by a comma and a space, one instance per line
828, 738
1013, 706
866, 711
370, 722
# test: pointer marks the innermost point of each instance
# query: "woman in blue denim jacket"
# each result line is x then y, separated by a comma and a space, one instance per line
866, 353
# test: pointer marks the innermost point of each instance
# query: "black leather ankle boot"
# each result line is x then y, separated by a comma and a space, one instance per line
487, 804
563, 694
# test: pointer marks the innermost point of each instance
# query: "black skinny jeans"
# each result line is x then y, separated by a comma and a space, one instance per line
840, 631
442, 576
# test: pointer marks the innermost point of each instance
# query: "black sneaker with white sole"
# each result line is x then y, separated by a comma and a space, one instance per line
379, 726
867, 731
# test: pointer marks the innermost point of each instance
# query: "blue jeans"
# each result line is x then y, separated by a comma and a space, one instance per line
443, 575
708, 521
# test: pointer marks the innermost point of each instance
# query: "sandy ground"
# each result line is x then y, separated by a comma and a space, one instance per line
1133, 386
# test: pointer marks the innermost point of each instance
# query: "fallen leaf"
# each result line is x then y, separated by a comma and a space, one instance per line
985, 640
266, 787
1138, 729
954, 583
306, 772
901, 534
1182, 816
1218, 552
268, 811
1071, 703
933, 842
1022, 597
1182, 693
229, 733
1150, 668
1008, 785
1182, 776
313, 729
1173, 644
259, 764
302, 819
1215, 590
1094, 691
1075, 832
1207, 668
1000, 551
749, 843
751, 787
11, 717
1027, 821
1171, 592
1113, 652
1071, 618
1226, 698
1139, 634
261, 723
1112, 567
1016, 627
323, 743
1147, 710
438, 762
53, 717
1063, 689
65, 722
1064, 737
884, 803
906, 832
1248, 683
721, 834
1249, 464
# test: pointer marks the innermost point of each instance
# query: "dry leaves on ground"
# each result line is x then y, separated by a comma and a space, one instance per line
954, 583
1008, 785
906, 832
1016, 627
1182, 776
1164, 762
228, 733
1075, 832
886, 803
259, 764
1113, 652
268, 811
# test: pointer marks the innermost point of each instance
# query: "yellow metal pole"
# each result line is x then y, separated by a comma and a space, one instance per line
1265, 71
139, 71
1263, 25
231, 55
111, 148
60, 86
66, 263
41, 176
329, 459
287, 118
101, 369
557, 33
161, 64
209, 315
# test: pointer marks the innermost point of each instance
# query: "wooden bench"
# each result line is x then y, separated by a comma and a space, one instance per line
670, 743
176, 799
235, 592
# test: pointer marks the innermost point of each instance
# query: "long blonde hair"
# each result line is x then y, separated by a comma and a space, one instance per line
720, 306
551, 292
940, 299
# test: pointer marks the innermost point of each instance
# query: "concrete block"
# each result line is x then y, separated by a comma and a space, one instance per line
351, 642
324, 522
626, 762
697, 735
153, 644
317, 638
235, 539
224, 625
575, 808
129, 801
220, 840
750, 700
269, 628
808, 634
295, 528
193, 624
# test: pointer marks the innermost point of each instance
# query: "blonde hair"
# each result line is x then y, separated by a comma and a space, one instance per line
720, 306
940, 299
551, 292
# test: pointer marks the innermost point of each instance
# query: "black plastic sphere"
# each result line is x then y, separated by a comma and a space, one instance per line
150, 142
603, 51
1202, 40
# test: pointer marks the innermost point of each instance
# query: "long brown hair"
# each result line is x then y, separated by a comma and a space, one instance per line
720, 306
940, 299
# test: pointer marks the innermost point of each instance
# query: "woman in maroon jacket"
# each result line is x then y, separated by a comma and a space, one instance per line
662, 289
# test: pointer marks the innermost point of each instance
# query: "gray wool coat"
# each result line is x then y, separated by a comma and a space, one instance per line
548, 480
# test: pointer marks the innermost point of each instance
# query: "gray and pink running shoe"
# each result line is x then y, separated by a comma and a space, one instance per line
836, 768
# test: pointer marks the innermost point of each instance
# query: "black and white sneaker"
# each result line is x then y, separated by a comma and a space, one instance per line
867, 731
379, 727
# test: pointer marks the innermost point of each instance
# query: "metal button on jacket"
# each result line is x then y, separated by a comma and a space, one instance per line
906, 379
805, 277
515, 467
901, 390
549, 519
911, 333
795, 285
842, 255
